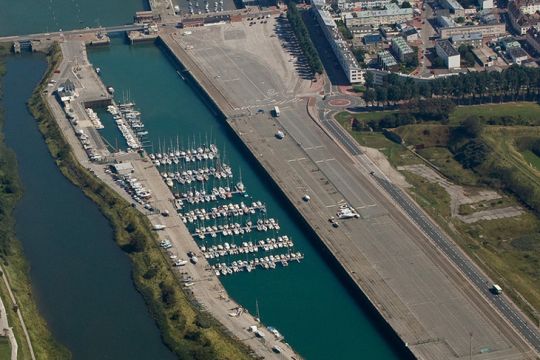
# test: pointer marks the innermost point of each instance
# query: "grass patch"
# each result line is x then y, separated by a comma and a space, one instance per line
531, 158
5, 348
430, 195
365, 116
444, 161
426, 135
525, 110
467, 209
190, 332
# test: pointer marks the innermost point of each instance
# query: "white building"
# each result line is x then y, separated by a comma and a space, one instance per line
393, 14
346, 59
486, 4
448, 53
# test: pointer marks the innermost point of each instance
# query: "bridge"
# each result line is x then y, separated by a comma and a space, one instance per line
76, 32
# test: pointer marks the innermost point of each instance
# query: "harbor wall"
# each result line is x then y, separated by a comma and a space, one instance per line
218, 105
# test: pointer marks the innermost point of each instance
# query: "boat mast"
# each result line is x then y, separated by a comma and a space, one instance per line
258, 318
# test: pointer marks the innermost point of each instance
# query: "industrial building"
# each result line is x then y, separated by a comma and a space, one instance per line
448, 53
391, 15
346, 59
401, 48
517, 54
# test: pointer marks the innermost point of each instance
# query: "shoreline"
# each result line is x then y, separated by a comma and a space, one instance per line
198, 326
15, 267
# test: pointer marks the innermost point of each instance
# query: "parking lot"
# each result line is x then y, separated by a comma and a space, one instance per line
253, 78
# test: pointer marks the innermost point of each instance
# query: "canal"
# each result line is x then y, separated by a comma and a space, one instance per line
309, 303
31, 16
80, 278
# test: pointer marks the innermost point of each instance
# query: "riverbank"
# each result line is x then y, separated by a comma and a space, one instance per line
186, 329
15, 265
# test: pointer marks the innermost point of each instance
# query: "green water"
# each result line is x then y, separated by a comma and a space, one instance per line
35, 16
79, 276
308, 302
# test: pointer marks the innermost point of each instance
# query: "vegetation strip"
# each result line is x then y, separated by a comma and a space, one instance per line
511, 84
14, 264
302, 35
190, 332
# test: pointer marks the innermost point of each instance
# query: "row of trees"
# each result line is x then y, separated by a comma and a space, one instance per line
512, 84
302, 35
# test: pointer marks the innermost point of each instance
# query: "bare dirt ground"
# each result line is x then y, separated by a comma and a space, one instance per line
460, 195
382, 163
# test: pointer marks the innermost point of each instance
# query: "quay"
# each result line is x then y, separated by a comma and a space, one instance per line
203, 282
420, 293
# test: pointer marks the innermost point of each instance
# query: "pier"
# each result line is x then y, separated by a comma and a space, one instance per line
413, 285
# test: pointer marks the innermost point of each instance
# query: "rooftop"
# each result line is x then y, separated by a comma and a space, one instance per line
447, 47
339, 43
467, 37
391, 10
372, 39
445, 21
387, 59
454, 5
404, 48
516, 52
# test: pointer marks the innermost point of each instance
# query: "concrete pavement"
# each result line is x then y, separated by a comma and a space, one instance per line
416, 288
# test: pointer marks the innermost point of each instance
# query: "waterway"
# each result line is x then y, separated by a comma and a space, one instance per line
308, 302
80, 278
31, 16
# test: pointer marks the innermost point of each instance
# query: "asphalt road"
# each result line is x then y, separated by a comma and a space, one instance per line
465, 265
109, 29
341, 135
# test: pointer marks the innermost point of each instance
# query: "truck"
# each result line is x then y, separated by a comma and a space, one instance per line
496, 289
276, 111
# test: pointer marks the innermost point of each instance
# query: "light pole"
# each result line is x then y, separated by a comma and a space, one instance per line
470, 345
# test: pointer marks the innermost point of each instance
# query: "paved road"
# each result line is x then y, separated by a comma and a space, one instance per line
109, 29
465, 265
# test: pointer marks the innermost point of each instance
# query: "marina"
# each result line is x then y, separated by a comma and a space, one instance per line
201, 163
81, 280
314, 279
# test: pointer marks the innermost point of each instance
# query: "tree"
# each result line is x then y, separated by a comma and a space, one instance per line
406, 5
369, 77
369, 95
472, 154
380, 94
472, 127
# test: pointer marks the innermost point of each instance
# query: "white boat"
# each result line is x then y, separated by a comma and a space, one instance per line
158, 227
